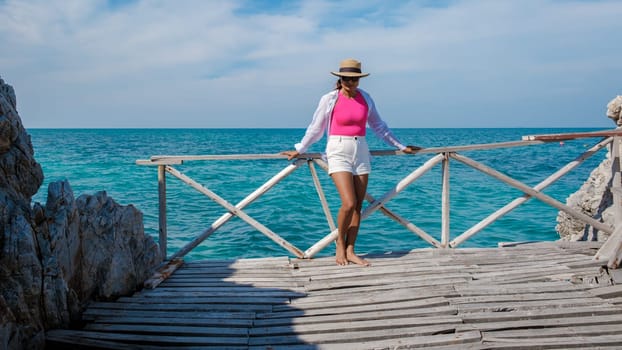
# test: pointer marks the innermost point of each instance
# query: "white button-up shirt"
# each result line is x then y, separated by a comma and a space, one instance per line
322, 116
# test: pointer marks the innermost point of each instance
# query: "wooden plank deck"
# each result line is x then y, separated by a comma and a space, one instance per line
534, 296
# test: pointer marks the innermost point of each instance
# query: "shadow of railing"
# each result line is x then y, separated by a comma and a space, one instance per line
215, 304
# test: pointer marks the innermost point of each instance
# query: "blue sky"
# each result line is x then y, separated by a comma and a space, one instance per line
214, 64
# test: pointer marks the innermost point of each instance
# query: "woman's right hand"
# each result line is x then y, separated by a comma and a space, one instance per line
291, 154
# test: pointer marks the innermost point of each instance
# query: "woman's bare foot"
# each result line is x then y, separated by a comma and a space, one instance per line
353, 258
340, 256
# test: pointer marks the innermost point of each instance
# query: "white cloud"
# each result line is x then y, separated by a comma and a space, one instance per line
218, 64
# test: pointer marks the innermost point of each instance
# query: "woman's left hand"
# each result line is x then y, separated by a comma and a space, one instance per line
411, 149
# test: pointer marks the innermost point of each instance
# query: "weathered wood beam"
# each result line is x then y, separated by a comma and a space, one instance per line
241, 205
320, 192
534, 193
236, 211
573, 135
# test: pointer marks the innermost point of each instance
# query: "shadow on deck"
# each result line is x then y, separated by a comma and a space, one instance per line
541, 295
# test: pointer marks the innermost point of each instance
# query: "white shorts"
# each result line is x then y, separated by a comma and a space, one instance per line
348, 153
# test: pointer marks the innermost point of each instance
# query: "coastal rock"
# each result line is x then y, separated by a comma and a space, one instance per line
112, 237
22, 175
99, 247
594, 198
614, 110
21, 271
57, 257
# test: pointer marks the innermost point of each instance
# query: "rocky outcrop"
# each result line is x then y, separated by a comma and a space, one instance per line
108, 255
56, 257
614, 110
594, 198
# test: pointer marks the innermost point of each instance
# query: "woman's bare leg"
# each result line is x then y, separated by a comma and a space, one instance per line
360, 188
344, 181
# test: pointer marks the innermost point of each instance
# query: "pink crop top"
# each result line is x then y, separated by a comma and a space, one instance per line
349, 116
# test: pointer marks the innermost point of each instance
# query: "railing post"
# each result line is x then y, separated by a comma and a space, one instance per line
162, 209
616, 190
445, 203
616, 184
320, 192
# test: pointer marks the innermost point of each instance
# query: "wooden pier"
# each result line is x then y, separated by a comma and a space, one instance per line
551, 295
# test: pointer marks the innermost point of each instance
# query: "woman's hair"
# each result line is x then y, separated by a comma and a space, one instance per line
338, 84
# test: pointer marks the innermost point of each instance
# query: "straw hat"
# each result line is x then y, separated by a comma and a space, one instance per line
350, 68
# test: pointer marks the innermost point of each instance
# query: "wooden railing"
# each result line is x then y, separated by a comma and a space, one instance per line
610, 251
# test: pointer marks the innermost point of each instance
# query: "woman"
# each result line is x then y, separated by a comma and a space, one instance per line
344, 113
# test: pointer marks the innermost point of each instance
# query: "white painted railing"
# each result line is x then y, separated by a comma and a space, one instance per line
610, 252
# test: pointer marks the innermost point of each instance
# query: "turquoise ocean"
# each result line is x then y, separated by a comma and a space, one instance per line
95, 160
